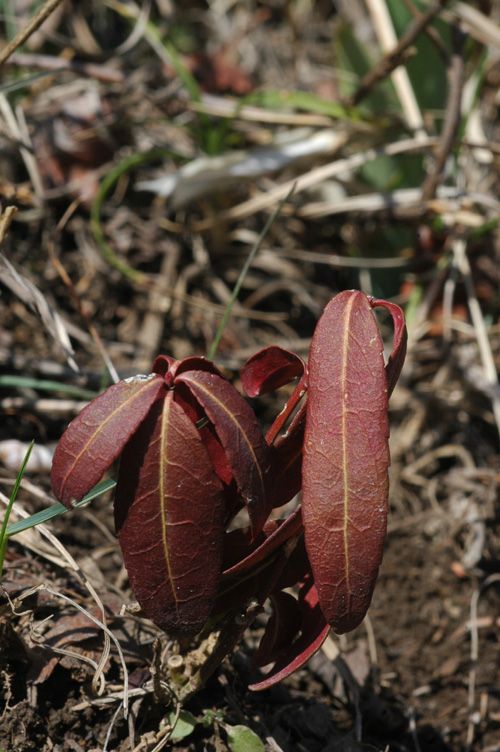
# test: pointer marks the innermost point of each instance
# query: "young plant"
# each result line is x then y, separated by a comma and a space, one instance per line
192, 456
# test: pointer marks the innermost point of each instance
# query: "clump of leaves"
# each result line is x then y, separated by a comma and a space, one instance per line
193, 455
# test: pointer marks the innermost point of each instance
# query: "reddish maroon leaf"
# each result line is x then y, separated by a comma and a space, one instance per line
163, 364
314, 631
269, 369
95, 438
196, 363
240, 435
169, 518
287, 461
297, 567
346, 459
235, 593
206, 430
168, 367
400, 338
282, 627
286, 530
238, 544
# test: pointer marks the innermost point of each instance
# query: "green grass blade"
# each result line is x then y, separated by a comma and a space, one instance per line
23, 82
275, 99
236, 290
58, 509
105, 187
46, 385
4, 533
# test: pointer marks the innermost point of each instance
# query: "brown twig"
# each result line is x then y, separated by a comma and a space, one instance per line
47, 8
396, 56
430, 32
452, 116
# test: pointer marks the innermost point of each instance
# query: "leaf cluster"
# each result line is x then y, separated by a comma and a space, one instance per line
194, 462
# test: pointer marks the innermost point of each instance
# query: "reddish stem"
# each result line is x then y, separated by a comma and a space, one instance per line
290, 406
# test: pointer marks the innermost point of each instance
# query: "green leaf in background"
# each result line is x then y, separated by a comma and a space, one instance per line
306, 101
184, 725
352, 57
243, 739
210, 717
426, 70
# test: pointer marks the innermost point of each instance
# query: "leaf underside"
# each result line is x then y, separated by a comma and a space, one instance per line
314, 631
282, 627
270, 369
95, 438
169, 519
346, 459
400, 338
286, 530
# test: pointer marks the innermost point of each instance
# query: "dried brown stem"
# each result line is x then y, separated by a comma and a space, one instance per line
83, 313
51, 63
429, 31
395, 57
452, 116
47, 8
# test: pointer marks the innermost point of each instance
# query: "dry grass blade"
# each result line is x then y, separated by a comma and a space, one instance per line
452, 116
461, 261
17, 130
6, 218
448, 199
104, 73
387, 38
43, 13
477, 24
31, 538
34, 298
395, 57
314, 177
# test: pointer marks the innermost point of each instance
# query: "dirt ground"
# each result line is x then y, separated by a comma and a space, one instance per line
112, 272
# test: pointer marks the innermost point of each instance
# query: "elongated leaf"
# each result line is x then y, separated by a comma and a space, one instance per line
169, 519
269, 369
346, 459
206, 430
297, 567
287, 461
95, 438
167, 366
240, 435
400, 338
162, 364
314, 631
281, 629
286, 530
